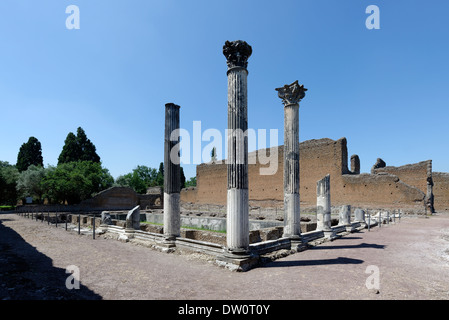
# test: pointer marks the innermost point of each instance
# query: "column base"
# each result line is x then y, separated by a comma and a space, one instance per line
236, 253
169, 241
236, 260
167, 245
350, 228
298, 243
128, 234
330, 234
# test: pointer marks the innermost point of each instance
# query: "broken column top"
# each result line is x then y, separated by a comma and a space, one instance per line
171, 105
291, 93
237, 53
323, 186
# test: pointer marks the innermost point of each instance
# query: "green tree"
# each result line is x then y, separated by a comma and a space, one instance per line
124, 180
30, 153
29, 183
139, 179
70, 151
8, 182
75, 181
160, 175
213, 155
88, 152
182, 178
191, 182
78, 148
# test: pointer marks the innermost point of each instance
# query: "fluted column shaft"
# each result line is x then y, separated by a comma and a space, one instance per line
323, 204
292, 223
172, 181
237, 224
291, 95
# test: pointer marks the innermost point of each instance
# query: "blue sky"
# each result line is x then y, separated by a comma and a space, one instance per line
384, 90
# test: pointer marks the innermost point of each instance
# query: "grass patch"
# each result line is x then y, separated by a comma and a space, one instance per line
6, 208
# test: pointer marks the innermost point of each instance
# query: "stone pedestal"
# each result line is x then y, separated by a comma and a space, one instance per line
133, 219
323, 207
345, 217
359, 215
172, 180
237, 54
291, 95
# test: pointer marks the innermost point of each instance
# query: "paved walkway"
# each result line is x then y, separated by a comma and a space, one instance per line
412, 258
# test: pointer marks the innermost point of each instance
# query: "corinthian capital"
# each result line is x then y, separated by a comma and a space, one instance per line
237, 53
291, 94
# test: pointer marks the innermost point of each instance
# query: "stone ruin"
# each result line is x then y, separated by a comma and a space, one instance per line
241, 248
239, 252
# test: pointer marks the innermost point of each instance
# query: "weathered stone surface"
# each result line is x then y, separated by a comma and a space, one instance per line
292, 218
237, 225
171, 156
237, 53
345, 215
355, 164
172, 178
359, 215
318, 158
172, 216
237, 222
379, 164
106, 218
133, 219
323, 215
291, 95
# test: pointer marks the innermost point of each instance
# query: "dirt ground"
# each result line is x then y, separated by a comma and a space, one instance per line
412, 258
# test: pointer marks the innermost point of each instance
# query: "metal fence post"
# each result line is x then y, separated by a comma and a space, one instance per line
56, 219
369, 222
79, 223
93, 227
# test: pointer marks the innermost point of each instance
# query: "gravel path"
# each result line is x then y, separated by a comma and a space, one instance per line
412, 258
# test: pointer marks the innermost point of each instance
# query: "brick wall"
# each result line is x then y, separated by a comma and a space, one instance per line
441, 191
390, 187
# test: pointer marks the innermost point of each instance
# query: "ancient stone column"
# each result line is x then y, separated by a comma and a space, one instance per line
323, 204
291, 95
359, 215
172, 180
345, 215
237, 222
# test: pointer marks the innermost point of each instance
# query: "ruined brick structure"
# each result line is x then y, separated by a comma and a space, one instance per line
388, 187
121, 198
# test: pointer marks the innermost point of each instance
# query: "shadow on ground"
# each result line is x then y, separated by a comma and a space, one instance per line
27, 274
298, 263
356, 246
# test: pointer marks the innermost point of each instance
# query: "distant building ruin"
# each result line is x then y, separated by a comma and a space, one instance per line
386, 187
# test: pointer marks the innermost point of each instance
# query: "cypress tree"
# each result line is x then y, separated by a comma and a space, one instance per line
78, 148
30, 153
70, 151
